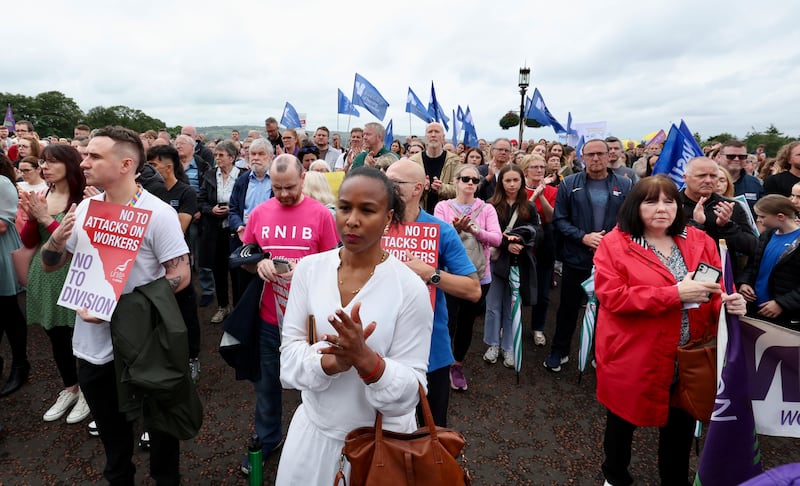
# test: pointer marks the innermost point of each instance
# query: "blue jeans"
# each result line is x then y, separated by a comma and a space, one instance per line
498, 315
268, 389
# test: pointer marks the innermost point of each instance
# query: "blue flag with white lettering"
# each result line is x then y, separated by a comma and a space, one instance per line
539, 112
436, 111
415, 107
290, 118
731, 454
345, 106
389, 138
688, 134
677, 151
456, 128
366, 95
470, 135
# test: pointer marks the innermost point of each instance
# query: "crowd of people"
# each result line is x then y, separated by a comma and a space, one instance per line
539, 208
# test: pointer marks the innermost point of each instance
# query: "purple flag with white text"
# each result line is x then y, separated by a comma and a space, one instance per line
731, 454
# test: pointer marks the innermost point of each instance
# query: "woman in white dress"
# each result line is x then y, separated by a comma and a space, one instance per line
372, 335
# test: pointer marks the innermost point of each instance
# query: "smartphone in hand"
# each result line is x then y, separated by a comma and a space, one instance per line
281, 265
707, 273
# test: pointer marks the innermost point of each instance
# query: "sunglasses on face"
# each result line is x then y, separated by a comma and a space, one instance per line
736, 156
466, 179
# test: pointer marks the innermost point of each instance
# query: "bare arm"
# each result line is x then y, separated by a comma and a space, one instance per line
186, 220
179, 275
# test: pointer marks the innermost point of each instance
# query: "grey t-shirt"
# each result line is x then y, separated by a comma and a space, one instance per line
598, 193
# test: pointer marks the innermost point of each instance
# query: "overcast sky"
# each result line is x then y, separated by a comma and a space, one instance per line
721, 66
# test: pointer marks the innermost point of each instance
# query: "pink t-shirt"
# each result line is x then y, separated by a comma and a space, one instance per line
289, 232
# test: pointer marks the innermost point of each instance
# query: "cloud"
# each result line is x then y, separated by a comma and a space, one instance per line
637, 65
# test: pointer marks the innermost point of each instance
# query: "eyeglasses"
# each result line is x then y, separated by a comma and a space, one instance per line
497, 149
592, 155
736, 156
25, 171
466, 179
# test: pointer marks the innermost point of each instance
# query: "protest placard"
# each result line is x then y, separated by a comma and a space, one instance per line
103, 259
414, 240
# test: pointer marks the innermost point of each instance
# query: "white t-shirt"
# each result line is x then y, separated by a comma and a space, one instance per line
163, 241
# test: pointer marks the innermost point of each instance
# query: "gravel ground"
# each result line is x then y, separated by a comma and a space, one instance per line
545, 430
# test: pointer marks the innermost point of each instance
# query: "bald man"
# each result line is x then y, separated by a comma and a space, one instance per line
200, 150
461, 280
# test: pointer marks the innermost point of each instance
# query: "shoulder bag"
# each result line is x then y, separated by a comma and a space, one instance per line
696, 389
427, 457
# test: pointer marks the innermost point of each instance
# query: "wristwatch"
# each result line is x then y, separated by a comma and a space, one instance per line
435, 278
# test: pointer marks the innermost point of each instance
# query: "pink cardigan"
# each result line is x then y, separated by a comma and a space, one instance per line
490, 233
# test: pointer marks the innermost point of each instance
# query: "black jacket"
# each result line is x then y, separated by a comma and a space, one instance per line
784, 281
737, 232
573, 215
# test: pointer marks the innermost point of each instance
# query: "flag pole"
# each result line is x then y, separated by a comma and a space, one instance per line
409, 124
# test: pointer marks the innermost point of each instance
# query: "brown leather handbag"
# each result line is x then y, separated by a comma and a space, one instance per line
427, 457
696, 390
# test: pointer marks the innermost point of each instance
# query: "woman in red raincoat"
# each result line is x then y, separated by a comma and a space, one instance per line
649, 305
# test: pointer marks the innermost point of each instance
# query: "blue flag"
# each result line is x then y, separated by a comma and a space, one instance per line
688, 134
539, 112
389, 138
570, 130
677, 151
366, 95
456, 128
470, 135
9, 119
436, 111
290, 118
345, 107
731, 454
579, 148
415, 107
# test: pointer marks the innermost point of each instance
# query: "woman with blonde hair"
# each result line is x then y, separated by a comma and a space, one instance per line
724, 184
316, 186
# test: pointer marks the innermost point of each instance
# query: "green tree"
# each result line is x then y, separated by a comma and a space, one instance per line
51, 112
772, 139
721, 137
137, 120
57, 115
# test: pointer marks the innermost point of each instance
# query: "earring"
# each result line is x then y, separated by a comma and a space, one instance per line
386, 229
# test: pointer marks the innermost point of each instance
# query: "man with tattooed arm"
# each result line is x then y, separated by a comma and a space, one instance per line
115, 156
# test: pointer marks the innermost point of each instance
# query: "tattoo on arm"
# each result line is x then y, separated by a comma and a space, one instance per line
175, 262
51, 258
174, 282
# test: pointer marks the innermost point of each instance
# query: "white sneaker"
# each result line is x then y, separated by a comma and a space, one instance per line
508, 359
65, 400
93, 430
539, 339
491, 354
80, 411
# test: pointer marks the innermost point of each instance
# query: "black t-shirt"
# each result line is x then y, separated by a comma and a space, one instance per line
182, 198
433, 168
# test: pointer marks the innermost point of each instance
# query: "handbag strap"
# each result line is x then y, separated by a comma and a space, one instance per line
511, 222
426, 413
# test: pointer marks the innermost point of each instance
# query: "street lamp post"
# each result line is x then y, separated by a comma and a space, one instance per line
524, 82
